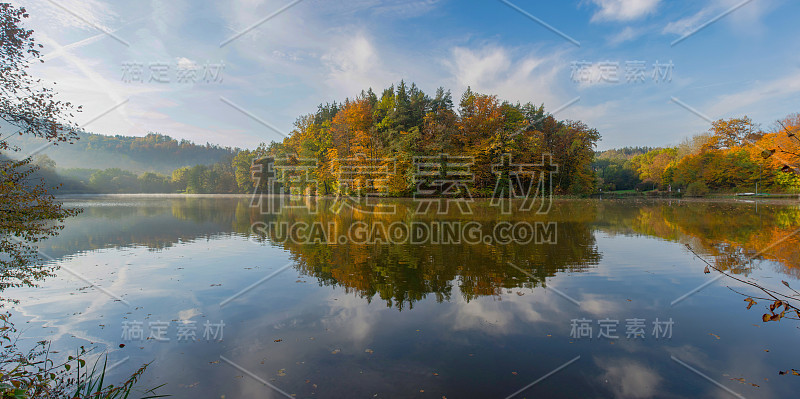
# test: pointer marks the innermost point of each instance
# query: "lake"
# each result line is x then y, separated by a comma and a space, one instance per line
314, 298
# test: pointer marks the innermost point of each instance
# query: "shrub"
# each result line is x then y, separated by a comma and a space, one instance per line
697, 189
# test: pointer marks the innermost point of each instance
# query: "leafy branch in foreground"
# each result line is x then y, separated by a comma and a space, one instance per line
28, 213
777, 299
25, 103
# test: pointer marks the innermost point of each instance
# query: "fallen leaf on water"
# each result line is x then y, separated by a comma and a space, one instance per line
192, 385
520, 293
514, 372
335, 351
282, 373
279, 340
714, 335
765, 317
750, 302
370, 351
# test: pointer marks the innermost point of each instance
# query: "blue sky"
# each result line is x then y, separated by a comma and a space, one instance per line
252, 88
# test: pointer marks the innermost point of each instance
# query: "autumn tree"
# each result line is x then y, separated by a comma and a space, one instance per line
29, 212
653, 165
387, 132
780, 150
733, 132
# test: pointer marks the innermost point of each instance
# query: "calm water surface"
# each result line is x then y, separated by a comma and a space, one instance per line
425, 320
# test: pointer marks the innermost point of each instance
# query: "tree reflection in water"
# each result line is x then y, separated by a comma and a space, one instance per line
727, 233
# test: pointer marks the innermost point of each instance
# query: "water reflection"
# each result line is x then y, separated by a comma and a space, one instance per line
729, 233
470, 325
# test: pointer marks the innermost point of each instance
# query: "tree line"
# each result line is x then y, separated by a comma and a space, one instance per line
404, 123
153, 152
734, 155
397, 126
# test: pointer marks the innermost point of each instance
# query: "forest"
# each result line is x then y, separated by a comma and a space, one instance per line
399, 125
153, 152
734, 155
404, 124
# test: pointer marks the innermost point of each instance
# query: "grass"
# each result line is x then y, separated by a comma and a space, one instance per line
91, 384
34, 375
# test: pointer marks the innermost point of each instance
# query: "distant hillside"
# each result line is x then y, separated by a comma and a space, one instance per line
151, 153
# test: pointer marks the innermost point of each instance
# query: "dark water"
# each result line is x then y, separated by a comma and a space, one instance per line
459, 318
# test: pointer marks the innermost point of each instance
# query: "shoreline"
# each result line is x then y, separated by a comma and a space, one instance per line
783, 198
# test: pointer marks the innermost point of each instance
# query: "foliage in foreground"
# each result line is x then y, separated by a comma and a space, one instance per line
33, 374
30, 213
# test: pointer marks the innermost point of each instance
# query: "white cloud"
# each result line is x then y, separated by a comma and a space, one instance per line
687, 24
499, 317
188, 314
82, 14
397, 8
759, 92
750, 15
492, 70
183, 62
629, 378
348, 311
623, 10
532, 78
168, 15
355, 65
627, 34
